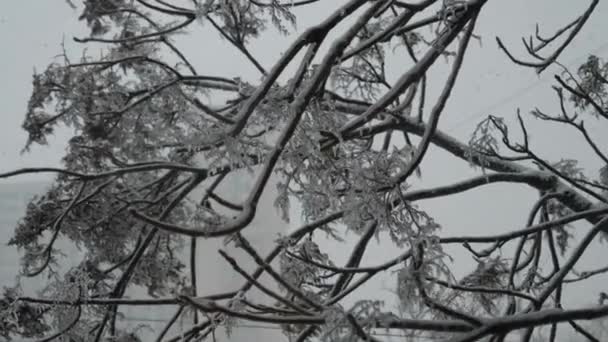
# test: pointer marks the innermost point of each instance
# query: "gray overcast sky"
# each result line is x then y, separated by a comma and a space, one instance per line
31, 32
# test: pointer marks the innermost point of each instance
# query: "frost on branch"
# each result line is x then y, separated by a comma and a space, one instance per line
592, 82
484, 139
97, 13
303, 275
490, 273
19, 318
364, 76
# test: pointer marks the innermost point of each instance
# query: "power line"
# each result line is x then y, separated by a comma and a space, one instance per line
519, 92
